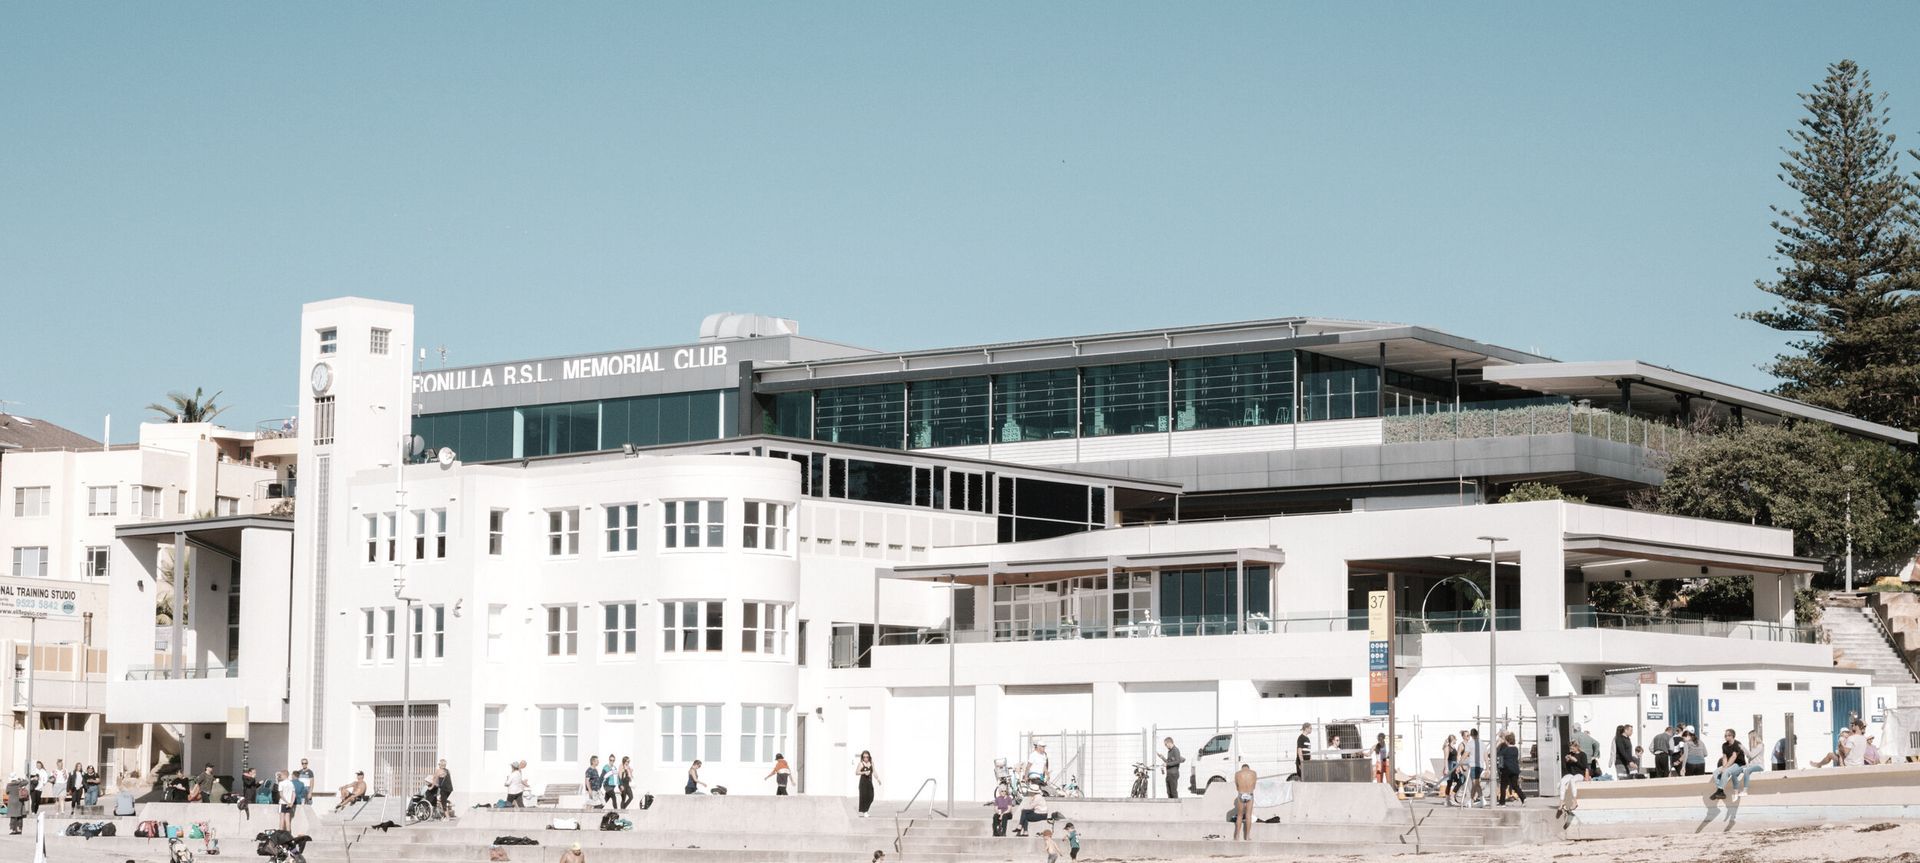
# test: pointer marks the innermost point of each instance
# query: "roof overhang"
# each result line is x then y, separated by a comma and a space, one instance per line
1612, 558
1054, 569
220, 534
1600, 381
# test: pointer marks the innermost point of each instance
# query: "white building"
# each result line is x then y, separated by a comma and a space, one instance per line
64, 495
735, 547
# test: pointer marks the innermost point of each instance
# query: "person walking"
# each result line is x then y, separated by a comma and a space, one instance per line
1733, 762
1476, 756
1046, 842
443, 782
1507, 757
1662, 752
17, 804
517, 785
1450, 752
610, 782
1173, 760
625, 775
206, 786
1244, 781
864, 773
594, 778
1073, 842
693, 779
780, 774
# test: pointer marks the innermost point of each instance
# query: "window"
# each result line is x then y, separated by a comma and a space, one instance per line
763, 628
95, 564
378, 340
767, 526
429, 632
870, 416
691, 626
763, 732
180, 503
1034, 406
103, 500
496, 531
563, 532
696, 730
623, 527
373, 538
1233, 392
1124, 399
693, 523
146, 501
622, 713
559, 734
1791, 686
366, 654
30, 561
800, 642
496, 632
392, 523
31, 501
323, 420
947, 413
392, 632
1736, 685
429, 534
490, 728
329, 340
226, 505
563, 630
623, 629
1332, 389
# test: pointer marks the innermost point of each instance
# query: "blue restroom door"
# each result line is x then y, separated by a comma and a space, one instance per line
1846, 708
1683, 702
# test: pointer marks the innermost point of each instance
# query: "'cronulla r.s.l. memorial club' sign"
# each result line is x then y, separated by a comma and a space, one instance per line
577, 368
591, 376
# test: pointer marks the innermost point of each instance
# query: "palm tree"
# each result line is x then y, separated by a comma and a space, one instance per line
185, 408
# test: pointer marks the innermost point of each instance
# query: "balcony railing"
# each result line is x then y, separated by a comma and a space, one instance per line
1440, 422
211, 672
1584, 617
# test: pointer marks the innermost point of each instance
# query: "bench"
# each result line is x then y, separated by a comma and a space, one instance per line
552, 794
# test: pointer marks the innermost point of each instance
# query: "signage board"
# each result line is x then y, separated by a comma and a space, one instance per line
1379, 691
1377, 656
1713, 705
1655, 716
35, 601
1378, 628
1819, 705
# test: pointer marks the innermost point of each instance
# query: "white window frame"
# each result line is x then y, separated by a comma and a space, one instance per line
112, 506
496, 531
702, 633
429, 632
96, 562
372, 522
689, 732
40, 494
763, 731
180, 502
30, 566
767, 526
559, 733
430, 534
146, 501
329, 340
496, 632
391, 618
763, 628
379, 340
490, 720
223, 505
563, 631
371, 628
563, 531
623, 528
323, 420
693, 524
621, 629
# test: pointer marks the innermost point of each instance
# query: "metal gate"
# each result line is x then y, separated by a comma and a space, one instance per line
1101, 763
395, 774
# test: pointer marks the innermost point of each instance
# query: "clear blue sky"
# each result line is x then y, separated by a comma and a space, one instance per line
541, 178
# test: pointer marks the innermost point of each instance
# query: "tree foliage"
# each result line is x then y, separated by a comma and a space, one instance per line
1851, 266
1530, 491
182, 408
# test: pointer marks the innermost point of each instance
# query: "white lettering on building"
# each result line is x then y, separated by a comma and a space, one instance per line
578, 368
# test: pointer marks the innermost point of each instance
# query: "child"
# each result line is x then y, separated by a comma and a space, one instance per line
1053, 851
1073, 842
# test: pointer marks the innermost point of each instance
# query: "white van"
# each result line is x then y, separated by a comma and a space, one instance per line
1269, 749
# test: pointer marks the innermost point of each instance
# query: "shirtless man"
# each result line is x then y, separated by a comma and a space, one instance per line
1243, 782
354, 792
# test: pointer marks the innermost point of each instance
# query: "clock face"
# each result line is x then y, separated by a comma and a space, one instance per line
321, 378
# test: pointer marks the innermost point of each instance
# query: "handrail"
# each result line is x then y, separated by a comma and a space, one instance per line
1886, 632
916, 795
900, 833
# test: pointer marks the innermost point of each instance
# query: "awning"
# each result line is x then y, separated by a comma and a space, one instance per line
1612, 558
219, 534
1053, 569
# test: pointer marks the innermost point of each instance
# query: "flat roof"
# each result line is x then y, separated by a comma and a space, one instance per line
1599, 380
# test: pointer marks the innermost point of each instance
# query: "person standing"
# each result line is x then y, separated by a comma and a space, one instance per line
304, 782
1038, 767
1053, 850
1244, 781
206, 786
517, 786
283, 782
1173, 761
249, 786
443, 780
1662, 758
1476, 756
780, 774
1507, 756
1073, 842
1623, 760
1379, 755
1451, 754
17, 805
1303, 749
610, 782
1677, 752
626, 782
90, 788
594, 779
864, 773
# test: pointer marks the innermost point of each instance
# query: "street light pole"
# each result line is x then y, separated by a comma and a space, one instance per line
1493, 627
953, 607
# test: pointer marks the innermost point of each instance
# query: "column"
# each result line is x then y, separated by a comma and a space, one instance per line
1542, 592
1773, 598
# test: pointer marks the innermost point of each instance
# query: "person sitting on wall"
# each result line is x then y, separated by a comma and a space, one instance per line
353, 792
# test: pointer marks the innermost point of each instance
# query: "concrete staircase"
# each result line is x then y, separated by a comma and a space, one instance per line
1858, 642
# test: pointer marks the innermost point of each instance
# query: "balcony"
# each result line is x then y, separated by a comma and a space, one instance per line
213, 672
1407, 646
1420, 422
51, 693
1584, 617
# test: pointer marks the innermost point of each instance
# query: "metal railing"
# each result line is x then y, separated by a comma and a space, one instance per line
278, 427
1584, 617
211, 672
1498, 419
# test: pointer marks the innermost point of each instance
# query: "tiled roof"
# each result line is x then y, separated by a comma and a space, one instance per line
18, 432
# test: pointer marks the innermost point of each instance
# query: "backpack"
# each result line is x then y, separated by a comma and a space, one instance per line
263, 796
646, 801
150, 829
72, 829
513, 840
103, 828
563, 824
718, 789
610, 821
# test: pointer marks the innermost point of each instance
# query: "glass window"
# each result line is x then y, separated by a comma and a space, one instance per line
947, 413
429, 534
429, 632
766, 526
30, 561
226, 505
392, 630
695, 728
1332, 389
563, 532
879, 482
789, 415
490, 728
691, 626
693, 523
103, 500
31, 501
1233, 392
329, 340
1034, 405
763, 731
378, 340
372, 631
95, 566
1125, 399
623, 630
496, 531
560, 734
373, 538
623, 527
763, 628
323, 420
563, 630
869, 416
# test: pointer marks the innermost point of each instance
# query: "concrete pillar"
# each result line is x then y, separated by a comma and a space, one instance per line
1773, 598
1543, 592
986, 735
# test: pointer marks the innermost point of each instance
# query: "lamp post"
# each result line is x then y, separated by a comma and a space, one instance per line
952, 587
1493, 628
1848, 467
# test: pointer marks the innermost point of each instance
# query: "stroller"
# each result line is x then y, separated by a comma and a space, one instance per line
280, 846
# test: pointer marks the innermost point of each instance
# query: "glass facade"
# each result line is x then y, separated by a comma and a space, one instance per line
1332, 389
790, 415
1034, 405
1233, 392
947, 413
1212, 593
1128, 399
869, 416
539, 430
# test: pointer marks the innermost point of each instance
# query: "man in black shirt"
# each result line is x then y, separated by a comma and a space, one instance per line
1733, 757
1173, 761
1302, 748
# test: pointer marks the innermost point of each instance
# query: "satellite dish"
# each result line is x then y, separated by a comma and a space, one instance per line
446, 456
416, 445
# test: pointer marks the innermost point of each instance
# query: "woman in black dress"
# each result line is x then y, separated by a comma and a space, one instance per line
864, 770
